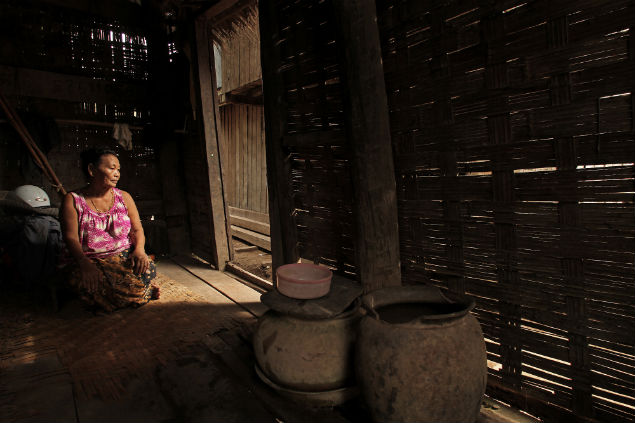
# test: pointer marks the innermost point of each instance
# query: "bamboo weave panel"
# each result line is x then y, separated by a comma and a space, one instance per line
69, 41
139, 169
512, 126
315, 135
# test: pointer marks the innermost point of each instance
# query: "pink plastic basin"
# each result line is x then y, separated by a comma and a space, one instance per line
303, 280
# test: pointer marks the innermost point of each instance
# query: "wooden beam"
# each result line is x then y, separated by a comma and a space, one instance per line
67, 111
367, 122
124, 11
207, 109
249, 214
218, 8
252, 225
16, 81
226, 9
262, 241
242, 99
252, 88
82, 122
284, 238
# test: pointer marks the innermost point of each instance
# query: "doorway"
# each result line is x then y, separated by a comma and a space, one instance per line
242, 137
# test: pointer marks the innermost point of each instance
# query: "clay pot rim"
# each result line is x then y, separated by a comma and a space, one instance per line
416, 323
404, 295
350, 312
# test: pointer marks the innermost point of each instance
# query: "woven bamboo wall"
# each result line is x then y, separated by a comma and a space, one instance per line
43, 36
69, 43
512, 129
139, 173
512, 126
314, 134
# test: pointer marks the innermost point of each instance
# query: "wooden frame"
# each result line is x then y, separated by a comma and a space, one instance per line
208, 111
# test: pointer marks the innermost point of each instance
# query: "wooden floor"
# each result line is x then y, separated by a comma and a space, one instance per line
212, 378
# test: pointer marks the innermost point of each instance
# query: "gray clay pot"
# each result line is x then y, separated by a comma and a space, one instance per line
420, 357
307, 354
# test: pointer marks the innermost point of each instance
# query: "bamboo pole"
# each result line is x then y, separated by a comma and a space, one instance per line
25, 136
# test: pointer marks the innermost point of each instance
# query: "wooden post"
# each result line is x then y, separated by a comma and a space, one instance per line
162, 91
222, 148
207, 110
284, 236
366, 106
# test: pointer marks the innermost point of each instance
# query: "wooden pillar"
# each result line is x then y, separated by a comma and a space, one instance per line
284, 248
377, 235
207, 105
166, 106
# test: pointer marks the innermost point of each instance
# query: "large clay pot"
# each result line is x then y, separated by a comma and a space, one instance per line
307, 354
420, 356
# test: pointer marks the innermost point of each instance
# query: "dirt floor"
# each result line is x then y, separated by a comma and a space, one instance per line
252, 259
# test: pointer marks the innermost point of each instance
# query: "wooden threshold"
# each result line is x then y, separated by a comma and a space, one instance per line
241, 294
236, 270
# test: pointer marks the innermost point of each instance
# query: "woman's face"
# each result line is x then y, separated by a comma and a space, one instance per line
107, 172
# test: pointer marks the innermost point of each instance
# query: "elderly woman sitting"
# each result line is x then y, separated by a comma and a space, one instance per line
104, 236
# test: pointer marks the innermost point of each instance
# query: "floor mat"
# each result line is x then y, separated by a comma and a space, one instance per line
103, 352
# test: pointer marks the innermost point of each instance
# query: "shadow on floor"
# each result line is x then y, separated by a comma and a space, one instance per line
184, 358
180, 359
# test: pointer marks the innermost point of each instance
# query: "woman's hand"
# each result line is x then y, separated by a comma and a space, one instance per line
140, 261
92, 277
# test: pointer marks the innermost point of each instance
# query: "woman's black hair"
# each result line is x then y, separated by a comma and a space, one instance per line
93, 156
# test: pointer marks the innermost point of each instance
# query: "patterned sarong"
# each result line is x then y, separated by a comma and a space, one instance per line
120, 287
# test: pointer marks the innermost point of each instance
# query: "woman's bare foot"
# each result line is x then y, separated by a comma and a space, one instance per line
156, 293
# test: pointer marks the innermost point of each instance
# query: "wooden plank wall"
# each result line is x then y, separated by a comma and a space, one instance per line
240, 58
245, 166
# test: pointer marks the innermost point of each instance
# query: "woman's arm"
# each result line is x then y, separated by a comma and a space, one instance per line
140, 260
70, 230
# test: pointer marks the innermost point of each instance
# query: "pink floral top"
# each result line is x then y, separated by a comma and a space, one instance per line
103, 234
